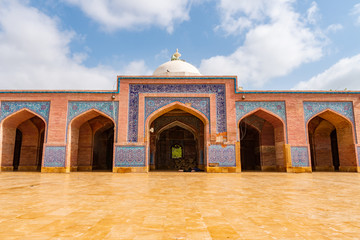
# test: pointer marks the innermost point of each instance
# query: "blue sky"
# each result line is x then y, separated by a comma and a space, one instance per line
268, 44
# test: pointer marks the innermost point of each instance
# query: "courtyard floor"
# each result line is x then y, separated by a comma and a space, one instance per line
171, 205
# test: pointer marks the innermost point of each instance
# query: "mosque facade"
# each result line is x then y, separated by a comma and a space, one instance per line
179, 120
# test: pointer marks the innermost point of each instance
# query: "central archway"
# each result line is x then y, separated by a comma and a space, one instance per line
177, 140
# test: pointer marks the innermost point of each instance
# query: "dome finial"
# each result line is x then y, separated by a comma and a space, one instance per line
176, 56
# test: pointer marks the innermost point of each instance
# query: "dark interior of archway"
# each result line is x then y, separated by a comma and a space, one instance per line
315, 147
103, 148
169, 138
17, 149
250, 143
40, 149
335, 150
33, 148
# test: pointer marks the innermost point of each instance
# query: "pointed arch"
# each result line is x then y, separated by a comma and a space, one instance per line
331, 140
81, 136
22, 135
201, 143
270, 142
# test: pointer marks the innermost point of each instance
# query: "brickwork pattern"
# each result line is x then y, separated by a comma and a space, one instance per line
224, 155
135, 89
300, 157
55, 156
129, 156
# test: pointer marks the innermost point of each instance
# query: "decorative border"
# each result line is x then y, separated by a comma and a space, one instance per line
129, 156
278, 108
41, 108
343, 108
300, 157
109, 108
154, 103
136, 89
225, 156
55, 156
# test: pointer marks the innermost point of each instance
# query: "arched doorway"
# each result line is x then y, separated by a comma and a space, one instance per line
23, 141
331, 143
177, 142
262, 140
91, 142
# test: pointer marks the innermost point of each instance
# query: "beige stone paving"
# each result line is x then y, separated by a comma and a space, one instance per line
172, 205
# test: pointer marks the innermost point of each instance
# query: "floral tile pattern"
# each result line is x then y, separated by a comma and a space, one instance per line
300, 157
243, 108
54, 156
343, 108
225, 156
135, 89
129, 156
41, 108
154, 103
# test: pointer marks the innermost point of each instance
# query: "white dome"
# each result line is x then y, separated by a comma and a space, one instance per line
176, 67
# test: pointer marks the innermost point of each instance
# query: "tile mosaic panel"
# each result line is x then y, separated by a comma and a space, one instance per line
110, 108
189, 120
41, 108
343, 108
135, 89
243, 108
300, 157
129, 156
154, 103
225, 156
55, 156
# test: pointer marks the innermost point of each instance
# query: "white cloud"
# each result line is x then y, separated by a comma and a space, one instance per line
345, 74
313, 13
277, 41
135, 14
35, 54
136, 68
356, 12
333, 28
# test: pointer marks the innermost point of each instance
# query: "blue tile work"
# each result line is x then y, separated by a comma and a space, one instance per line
343, 108
110, 108
188, 120
129, 156
300, 157
154, 103
135, 89
54, 156
243, 108
225, 156
41, 108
